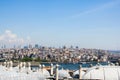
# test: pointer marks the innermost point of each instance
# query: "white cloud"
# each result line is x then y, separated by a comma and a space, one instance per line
10, 35
98, 8
10, 38
28, 38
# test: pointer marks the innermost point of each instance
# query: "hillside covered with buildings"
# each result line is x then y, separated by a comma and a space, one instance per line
62, 54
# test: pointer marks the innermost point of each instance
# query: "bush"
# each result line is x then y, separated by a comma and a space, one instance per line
40, 60
43, 60
26, 59
37, 60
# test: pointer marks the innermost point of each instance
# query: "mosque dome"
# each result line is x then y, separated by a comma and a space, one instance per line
45, 73
63, 74
103, 73
10, 73
37, 75
76, 73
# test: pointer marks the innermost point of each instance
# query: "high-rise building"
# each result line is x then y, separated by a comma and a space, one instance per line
36, 46
30, 46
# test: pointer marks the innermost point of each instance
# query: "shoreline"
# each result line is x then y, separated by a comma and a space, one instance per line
37, 63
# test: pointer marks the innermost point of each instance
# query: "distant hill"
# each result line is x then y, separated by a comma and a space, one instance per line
114, 51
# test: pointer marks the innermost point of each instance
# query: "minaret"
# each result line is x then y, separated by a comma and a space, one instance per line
80, 72
43, 68
20, 66
24, 64
11, 65
4, 64
57, 71
51, 69
29, 66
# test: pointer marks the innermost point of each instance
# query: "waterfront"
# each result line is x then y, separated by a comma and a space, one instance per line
59, 71
75, 66
70, 66
59, 39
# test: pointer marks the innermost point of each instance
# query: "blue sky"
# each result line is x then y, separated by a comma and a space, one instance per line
85, 23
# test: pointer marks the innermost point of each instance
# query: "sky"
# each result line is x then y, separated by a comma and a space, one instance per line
83, 23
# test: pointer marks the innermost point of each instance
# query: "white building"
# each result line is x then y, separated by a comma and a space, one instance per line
103, 73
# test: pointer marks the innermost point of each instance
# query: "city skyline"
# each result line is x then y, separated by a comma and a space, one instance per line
83, 23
